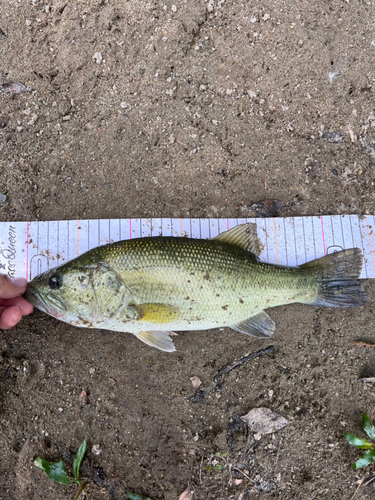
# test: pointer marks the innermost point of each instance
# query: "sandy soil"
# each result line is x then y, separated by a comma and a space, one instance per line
193, 108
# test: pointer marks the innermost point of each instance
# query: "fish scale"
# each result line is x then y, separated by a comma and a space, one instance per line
152, 286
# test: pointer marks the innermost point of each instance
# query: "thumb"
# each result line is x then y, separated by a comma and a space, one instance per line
11, 288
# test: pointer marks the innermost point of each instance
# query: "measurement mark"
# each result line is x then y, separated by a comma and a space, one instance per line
78, 237
27, 250
369, 239
324, 242
277, 251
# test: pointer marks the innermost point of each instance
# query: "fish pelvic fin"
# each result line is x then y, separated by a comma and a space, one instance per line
244, 236
160, 340
260, 326
155, 313
337, 276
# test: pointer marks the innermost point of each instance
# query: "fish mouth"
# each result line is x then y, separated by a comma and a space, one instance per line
50, 305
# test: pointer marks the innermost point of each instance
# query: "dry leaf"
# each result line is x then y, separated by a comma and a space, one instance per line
264, 421
188, 494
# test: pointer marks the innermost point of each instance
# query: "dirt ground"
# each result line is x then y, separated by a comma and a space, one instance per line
187, 109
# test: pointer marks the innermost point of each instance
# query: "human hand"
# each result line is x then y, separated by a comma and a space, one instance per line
12, 305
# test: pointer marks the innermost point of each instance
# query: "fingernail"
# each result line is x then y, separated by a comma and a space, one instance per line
21, 282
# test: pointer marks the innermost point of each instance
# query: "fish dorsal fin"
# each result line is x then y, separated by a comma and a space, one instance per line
260, 326
244, 236
155, 313
160, 340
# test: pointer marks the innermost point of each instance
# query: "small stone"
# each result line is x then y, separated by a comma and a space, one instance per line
174, 8
28, 22
195, 382
266, 17
334, 137
83, 397
96, 449
2, 198
98, 57
34, 118
92, 371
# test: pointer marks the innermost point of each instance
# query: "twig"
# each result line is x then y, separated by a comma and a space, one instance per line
277, 455
240, 471
230, 367
359, 485
370, 481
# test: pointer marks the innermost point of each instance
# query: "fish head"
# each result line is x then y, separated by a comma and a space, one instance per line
66, 293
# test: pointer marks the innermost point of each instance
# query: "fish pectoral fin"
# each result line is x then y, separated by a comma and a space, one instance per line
155, 313
260, 326
244, 236
160, 340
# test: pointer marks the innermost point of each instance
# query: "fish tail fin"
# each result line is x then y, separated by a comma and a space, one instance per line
337, 276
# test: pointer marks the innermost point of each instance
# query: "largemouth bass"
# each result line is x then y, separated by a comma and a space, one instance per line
151, 287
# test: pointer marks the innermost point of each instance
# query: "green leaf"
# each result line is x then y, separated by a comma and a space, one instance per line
78, 460
219, 467
131, 496
365, 460
367, 426
54, 470
363, 444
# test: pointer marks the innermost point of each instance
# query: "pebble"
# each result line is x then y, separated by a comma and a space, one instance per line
98, 57
334, 137
195, 382
174, 8
83, 397
2, 198
34, 118
96, 449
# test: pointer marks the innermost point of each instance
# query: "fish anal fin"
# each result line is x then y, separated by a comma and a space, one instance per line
155, 313
244, 236
260, 326
160, 340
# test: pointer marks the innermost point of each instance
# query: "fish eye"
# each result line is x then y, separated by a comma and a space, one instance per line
54, 283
